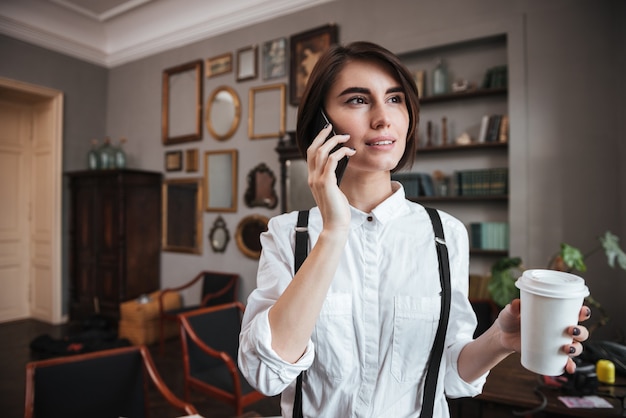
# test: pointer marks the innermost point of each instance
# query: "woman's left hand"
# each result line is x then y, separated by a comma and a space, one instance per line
509, 324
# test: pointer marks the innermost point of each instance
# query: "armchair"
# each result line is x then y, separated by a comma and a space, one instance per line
210, 341
107, 383
217, 288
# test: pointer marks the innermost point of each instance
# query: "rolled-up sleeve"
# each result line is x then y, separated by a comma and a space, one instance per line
260, 364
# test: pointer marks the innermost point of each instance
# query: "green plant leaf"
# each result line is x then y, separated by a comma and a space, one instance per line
573, 258
502, 284
613, 252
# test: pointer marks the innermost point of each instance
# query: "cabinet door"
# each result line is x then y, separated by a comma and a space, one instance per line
109, 243
83, 252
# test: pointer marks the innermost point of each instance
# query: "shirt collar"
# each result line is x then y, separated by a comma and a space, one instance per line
390, 208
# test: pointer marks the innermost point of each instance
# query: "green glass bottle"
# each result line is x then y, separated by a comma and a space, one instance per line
93, 159
120, 155
107, 155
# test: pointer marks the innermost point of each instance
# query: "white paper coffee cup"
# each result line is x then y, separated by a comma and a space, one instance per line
550, 303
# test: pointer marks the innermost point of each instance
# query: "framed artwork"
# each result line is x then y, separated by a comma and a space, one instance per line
247, 63
181, 114
191, 158
306, 48
173, 160
274, 58
266, 111
220, 64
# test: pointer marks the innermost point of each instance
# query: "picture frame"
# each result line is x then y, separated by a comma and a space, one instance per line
274, 58
173, 160
247, 63
181, 103
220, 64
220, 180
305, 50
267, 106
191, 160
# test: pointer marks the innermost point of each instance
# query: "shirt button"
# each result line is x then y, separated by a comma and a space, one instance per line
370, 218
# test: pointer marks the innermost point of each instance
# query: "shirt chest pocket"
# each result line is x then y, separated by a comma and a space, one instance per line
334, 337
415, 323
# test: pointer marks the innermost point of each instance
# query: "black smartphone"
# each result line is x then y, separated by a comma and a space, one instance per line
343, 163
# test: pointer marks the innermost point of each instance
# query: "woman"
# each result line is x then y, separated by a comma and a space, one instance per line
361, 313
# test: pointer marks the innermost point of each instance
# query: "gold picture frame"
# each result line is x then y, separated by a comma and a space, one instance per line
220, 64
267, 107
220, 181
182, 215
191, 160
173, 160
181, 112
247, 63
306, 48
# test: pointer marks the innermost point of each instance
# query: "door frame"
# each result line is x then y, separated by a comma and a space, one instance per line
53, 312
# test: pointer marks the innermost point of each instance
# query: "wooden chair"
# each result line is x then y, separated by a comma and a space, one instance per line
107, 383
217, 288
210, 341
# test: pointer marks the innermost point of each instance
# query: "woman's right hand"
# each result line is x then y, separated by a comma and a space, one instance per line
332, 203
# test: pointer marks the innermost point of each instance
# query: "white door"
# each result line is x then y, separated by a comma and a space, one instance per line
15, 123
30, 202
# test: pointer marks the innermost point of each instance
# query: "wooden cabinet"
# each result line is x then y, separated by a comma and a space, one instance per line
115, 239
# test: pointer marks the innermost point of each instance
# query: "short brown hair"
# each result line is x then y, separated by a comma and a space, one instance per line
324, 75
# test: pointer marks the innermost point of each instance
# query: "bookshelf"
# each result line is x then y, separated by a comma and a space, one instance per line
463, 113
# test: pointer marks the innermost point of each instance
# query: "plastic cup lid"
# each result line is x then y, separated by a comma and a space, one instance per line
552, 283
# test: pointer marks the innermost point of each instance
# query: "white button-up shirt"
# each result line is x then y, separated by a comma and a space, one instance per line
368, 354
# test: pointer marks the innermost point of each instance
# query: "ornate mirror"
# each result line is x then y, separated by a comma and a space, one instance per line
182, 215
220, 181
261, 190
248, 235
219, 235
181, 118
223, 113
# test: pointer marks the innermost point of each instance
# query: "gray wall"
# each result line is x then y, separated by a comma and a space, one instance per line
566, 103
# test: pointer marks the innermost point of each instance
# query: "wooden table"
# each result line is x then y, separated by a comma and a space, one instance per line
510, 387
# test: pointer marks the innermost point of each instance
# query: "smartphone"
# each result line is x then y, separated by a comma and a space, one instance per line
343, 163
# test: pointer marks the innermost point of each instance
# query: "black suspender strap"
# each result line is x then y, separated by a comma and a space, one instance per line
301, 251
302, 239
430, 385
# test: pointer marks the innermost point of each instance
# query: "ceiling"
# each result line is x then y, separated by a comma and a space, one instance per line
115, 32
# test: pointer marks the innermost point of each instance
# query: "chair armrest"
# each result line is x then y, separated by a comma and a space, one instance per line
176, 289
162, 387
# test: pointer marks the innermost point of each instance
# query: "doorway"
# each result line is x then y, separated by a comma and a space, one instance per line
30, 202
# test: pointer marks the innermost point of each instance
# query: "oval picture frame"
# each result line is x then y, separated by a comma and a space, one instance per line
248, 235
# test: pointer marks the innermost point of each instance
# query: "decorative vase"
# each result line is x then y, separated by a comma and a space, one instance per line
120, 155
93, 159
107, 155
440, 78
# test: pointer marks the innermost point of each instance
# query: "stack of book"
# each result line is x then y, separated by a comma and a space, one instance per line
415, 184
482, 182
489, 235
494, 128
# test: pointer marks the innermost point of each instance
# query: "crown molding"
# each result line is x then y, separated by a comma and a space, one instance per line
108, 55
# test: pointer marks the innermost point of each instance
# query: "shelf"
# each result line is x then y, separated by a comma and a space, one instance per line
465, 95
489, 253
479, 198
461, 148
